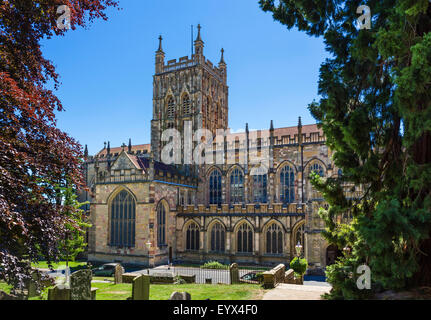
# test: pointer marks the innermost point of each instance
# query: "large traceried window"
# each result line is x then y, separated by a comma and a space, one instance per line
287, 185
317, 168
187, 106
245, 239
215, 187
161, 225
192, 237
171, 108
274, 239
123, 213
236, 186
260, 188
218, 238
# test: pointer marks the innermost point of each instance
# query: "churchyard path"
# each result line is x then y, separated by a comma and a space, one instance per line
296, 292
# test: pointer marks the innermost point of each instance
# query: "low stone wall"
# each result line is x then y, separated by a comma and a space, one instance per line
128, 277
188, 278
273, 277
289, 277
162, 278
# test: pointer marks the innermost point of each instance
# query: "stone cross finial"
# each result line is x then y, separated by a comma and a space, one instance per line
199, 33
222, 57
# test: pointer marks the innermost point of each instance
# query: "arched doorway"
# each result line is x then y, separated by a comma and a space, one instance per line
332, 253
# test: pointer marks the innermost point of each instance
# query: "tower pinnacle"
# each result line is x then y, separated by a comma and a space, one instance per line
160, 44
222, 62
199, 44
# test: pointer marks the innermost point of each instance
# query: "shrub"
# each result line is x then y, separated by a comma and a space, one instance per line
299, 266
179, 280
214, 265
259, 277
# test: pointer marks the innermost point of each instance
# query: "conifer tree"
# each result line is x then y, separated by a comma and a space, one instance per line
375, 110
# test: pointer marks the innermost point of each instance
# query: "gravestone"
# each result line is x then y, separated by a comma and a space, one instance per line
33, 284
180, 296
80, 285
59, 292
118, 277
141, 288
234, 273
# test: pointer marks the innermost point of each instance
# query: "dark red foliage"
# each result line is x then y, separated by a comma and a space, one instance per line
35, 156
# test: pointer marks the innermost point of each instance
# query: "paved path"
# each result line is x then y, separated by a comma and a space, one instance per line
296, 292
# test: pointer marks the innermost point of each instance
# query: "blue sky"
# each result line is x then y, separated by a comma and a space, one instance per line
106, 70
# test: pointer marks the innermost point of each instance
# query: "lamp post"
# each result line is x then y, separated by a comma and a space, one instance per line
148, 244
298, 248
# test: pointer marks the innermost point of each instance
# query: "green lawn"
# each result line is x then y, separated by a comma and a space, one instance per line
110, 291
61, 264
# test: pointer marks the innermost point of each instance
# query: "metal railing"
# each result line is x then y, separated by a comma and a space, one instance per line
213, 276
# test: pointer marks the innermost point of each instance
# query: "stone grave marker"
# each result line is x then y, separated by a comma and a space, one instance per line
118, 276
59, 292
234, 273
80, 285
180, 296
141, 288
33, 284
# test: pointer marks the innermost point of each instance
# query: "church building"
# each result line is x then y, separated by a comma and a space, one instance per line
250, 202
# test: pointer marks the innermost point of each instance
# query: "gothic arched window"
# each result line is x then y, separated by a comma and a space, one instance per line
215, 187
299, 235
274, 239
161, 225
287, 184
123, 212
192, 237
171, 108
187, 107
218, 238
236, 186
260, 188
245, 238
317, 168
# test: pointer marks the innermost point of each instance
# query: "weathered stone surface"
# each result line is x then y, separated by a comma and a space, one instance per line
274, 277
59, 292
188, 278
128, 277
161, 278
180, 296
141, 288
118, 277
33, 284
80, 285
234, 273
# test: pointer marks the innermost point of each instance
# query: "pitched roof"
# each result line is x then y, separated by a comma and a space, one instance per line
143, 148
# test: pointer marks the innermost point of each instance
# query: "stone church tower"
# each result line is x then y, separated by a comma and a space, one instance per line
190, 89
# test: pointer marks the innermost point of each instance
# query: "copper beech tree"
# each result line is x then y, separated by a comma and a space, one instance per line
37, 160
